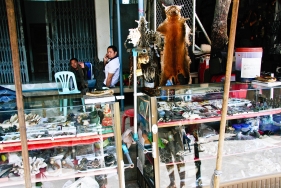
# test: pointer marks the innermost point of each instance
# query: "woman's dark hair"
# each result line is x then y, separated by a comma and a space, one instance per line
114, 48
72, 59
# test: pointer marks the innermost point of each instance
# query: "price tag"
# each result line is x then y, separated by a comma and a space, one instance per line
154, 129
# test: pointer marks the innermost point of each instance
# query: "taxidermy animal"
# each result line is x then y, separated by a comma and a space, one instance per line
143, 58
142, 28
148, 42
166, 3
138, 36
175, 65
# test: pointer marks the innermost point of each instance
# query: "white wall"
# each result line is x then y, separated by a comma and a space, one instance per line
102, 27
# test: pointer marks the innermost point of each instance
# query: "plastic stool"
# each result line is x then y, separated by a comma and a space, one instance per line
128, 113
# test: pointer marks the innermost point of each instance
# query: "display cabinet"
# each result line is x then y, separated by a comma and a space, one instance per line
178, 135
82, 148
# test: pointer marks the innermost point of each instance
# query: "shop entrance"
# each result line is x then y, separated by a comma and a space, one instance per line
39, 52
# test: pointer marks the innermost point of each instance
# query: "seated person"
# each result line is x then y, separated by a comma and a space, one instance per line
80, 71
111, 67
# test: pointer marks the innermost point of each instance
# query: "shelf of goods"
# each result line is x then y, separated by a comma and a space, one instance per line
86, 143
178, 131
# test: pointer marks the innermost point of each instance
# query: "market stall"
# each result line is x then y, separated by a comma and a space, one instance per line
42, 146
189, 129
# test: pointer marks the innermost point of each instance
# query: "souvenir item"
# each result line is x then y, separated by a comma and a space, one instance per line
94, 118
110, 160
176, 63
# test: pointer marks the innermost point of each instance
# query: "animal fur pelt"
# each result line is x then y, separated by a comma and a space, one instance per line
176, 62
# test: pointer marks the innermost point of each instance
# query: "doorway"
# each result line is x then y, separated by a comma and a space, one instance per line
39, 52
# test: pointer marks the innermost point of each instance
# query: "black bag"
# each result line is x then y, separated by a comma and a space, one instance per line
217, 63
99, 74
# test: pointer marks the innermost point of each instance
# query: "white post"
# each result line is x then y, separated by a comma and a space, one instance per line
135, 54
102, 27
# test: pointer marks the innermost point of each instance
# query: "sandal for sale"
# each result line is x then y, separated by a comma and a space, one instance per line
110, 160
94, 164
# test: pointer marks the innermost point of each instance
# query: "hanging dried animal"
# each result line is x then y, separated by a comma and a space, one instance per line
146, 41
142, 38
175, 65
151, 69
133, 37
143, 58
137, 36
142, 27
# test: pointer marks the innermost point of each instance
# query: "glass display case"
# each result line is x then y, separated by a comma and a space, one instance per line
82, 148
178, 130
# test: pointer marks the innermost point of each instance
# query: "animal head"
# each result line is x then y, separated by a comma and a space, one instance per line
142, 23
173, 11
143, 58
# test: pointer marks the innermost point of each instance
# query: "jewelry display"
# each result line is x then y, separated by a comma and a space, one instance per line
252, 130
200, 109
61, 161
80, 124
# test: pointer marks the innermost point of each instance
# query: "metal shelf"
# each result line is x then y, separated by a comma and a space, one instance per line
213, 119
51, 143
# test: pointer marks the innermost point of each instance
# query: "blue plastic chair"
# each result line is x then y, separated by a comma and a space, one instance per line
68, 86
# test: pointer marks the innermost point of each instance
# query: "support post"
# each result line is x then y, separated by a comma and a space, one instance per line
203, 29
18, 86
111, 20
135, 54
156, 157
118, 140
141, 11
226, 91
120, 53
193, 26
154, 15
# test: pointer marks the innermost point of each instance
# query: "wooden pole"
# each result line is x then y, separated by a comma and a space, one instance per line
17, 79
226, 91
118, 140
155, 147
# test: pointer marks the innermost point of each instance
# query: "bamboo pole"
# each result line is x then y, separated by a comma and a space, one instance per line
118, 140
17, 79
155, 147
226, 91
